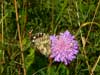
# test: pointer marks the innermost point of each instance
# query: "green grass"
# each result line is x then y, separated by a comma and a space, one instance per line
80, 17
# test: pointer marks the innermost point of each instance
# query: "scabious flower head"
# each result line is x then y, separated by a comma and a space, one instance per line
64, 47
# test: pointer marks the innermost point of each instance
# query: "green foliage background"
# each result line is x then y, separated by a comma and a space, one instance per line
80, 17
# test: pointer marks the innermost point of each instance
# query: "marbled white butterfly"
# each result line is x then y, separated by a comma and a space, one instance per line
41, 42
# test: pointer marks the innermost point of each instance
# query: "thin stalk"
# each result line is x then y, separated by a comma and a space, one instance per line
92, 70
2, 22
93, 20
92, 25
24, 17
20, 41
61, 12
49, 66
59, 17
84, 51
58, 68
52, 12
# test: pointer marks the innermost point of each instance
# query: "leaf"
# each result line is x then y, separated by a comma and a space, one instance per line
29, 58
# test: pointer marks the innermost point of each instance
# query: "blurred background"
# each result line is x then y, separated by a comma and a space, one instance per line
19, 17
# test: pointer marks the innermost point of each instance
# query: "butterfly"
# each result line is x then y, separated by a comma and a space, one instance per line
41, 42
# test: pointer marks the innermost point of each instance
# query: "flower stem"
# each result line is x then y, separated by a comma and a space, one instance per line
20, 41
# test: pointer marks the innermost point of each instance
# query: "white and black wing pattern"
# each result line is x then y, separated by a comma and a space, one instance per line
42, 42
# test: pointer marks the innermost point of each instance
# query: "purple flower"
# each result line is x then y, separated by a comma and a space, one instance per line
64, 47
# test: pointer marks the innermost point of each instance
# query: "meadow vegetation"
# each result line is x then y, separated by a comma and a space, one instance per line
18, 17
